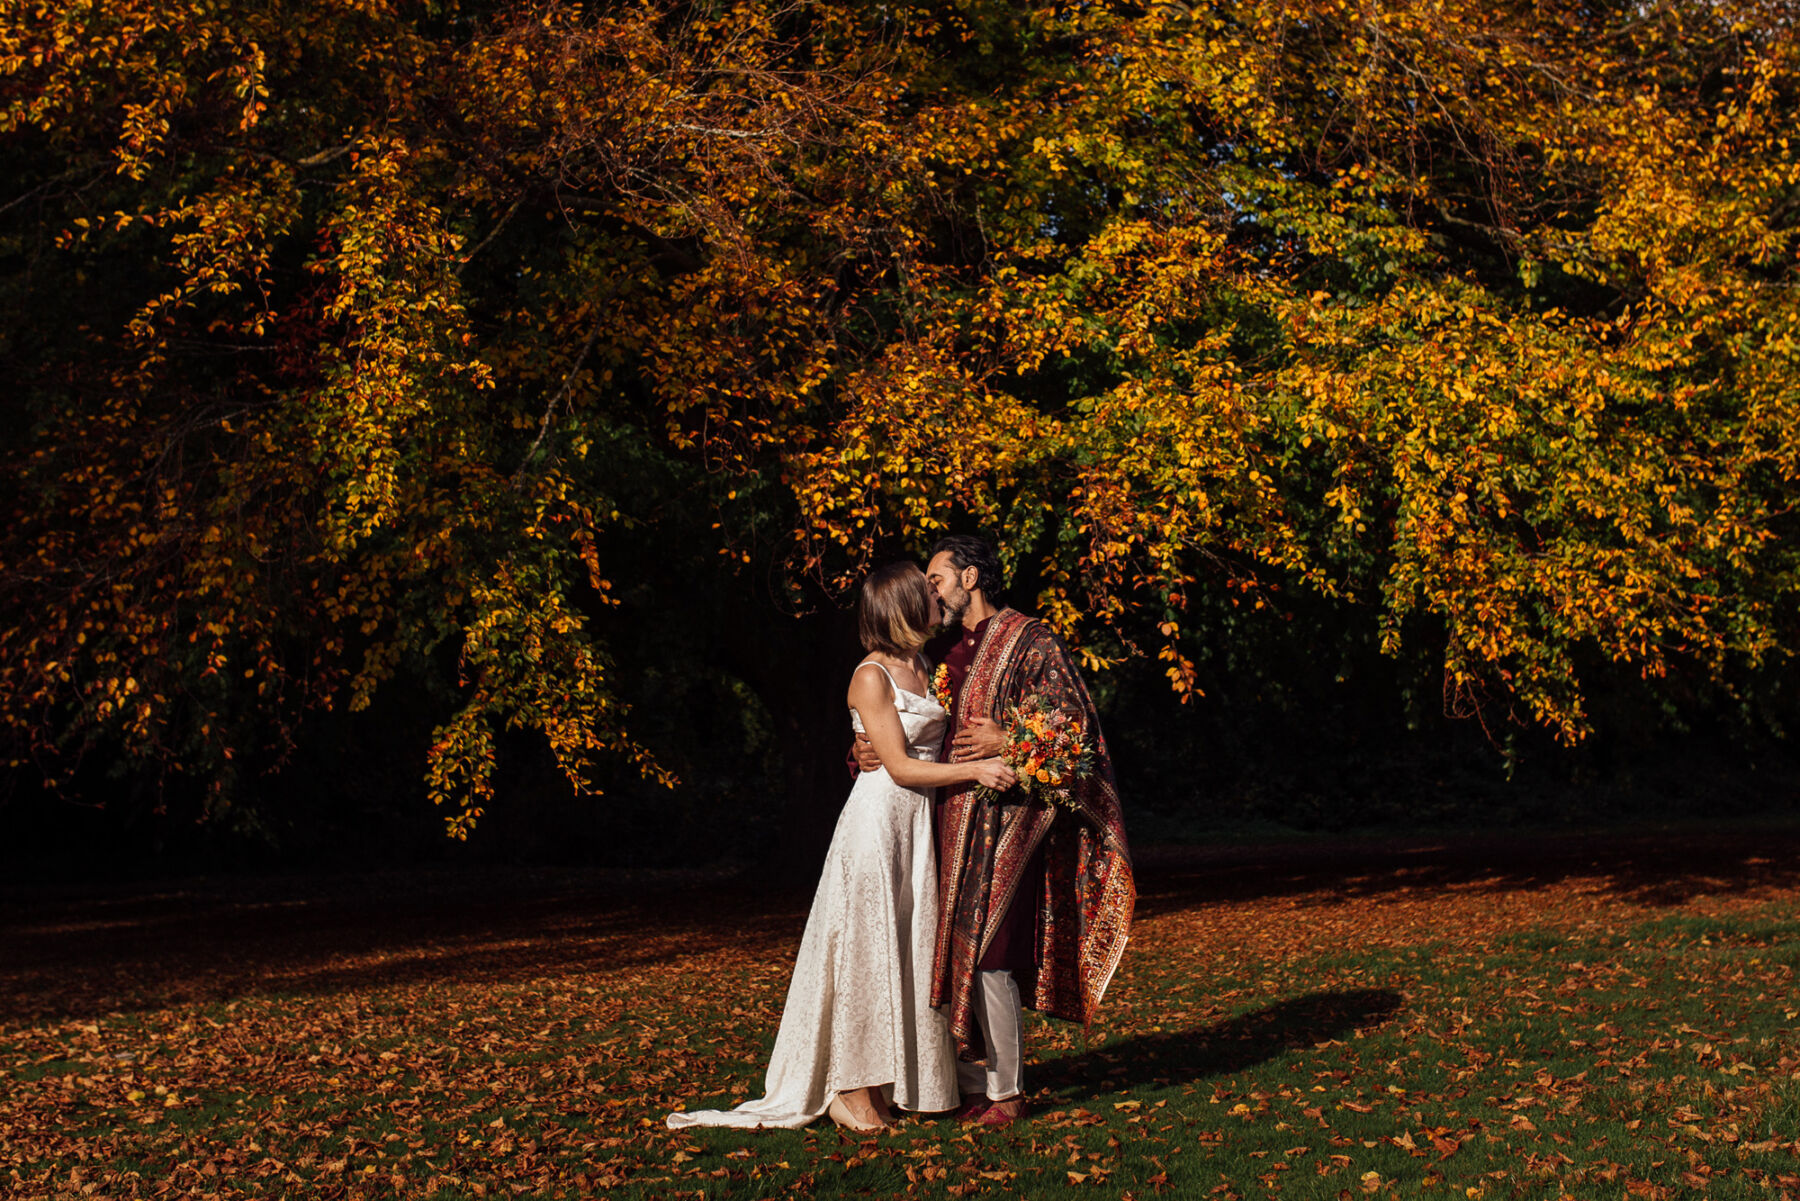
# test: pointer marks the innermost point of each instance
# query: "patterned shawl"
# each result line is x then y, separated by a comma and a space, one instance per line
984, 844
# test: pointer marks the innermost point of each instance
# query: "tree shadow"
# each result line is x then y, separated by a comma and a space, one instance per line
63, 956
79, 950
1653, 867
1225, 1047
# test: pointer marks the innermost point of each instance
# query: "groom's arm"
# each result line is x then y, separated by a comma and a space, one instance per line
862, 756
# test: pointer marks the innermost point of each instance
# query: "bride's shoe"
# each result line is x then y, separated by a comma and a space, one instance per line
840, 1113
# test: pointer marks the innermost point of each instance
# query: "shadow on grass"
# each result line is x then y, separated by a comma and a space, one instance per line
220, 940
1225, 1047
78, 951
1221, 1048
1666, 867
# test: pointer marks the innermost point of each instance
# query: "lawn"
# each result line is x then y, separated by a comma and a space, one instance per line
1599, 1016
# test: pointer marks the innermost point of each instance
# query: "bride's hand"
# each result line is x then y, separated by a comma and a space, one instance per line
995, 774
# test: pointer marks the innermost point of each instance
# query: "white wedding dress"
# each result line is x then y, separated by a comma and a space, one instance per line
858, 1007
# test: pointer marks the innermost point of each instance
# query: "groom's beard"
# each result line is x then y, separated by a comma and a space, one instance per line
954, 608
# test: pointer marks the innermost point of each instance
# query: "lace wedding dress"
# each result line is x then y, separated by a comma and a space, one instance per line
858, 1007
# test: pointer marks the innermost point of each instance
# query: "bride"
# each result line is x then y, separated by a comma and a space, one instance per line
858, 1031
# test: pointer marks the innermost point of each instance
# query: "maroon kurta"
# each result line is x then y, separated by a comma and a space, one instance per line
957, 657
1013, 946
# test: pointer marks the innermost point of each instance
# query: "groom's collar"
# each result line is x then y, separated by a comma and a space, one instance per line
974, 635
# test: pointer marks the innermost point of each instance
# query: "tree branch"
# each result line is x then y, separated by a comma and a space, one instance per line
562, 393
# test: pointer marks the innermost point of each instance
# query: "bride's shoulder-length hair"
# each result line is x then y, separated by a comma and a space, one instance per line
893, 612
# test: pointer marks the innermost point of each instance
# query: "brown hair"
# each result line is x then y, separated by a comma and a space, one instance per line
966, 551
893, 613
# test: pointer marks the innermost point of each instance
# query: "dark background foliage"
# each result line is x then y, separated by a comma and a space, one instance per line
453, 402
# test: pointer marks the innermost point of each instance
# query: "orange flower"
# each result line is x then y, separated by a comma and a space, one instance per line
940, 687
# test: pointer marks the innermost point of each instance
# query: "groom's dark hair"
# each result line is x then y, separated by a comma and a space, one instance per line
965, 551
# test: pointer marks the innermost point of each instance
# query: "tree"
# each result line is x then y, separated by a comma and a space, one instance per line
328, 329
317, 324
1483, 318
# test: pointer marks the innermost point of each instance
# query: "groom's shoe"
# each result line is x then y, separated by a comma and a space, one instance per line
995, 1116
972, 1109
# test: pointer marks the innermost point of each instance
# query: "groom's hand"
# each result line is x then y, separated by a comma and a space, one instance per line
980, 738
863, 751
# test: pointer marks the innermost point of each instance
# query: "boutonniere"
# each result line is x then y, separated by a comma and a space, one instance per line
940, 687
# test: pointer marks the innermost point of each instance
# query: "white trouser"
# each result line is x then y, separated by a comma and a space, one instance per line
1000, 1015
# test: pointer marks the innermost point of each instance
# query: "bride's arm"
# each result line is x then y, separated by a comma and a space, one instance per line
873, 699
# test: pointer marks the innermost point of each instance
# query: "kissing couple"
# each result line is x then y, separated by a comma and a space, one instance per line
953, 895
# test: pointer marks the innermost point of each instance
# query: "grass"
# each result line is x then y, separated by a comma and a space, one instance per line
1431, 1024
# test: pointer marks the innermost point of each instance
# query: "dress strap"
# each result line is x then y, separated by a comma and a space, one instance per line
884, 671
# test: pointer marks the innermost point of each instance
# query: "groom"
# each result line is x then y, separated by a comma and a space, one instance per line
1034, 898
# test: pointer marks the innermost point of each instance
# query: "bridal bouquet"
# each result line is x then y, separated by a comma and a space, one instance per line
1047, 749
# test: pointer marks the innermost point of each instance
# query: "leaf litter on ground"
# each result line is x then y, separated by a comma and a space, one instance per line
1562, 1017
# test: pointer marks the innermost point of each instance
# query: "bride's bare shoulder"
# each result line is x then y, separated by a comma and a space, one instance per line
870, 684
